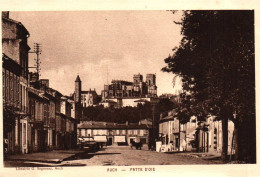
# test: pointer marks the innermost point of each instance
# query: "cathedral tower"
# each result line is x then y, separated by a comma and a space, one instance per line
78, 90
77, 99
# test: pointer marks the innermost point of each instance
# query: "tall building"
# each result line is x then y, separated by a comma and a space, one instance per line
78, 90
77, 98
151, 84
84, 98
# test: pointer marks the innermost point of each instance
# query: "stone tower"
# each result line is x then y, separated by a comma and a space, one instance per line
78, 90
77, 99
151, 85
151, 79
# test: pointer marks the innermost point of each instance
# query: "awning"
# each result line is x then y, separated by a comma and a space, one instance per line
102, 139
119, 139
87, 139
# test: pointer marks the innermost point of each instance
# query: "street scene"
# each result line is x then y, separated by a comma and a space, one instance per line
128, 88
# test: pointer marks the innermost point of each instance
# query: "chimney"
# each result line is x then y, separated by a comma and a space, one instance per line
5, 14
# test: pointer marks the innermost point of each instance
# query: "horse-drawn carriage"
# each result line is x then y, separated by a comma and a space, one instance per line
138, 145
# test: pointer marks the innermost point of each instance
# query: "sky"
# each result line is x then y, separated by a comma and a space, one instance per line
101, 46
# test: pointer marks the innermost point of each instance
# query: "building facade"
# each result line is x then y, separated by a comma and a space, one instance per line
114, 134
15, 84
89, 98
137, 88
35, 116
124, 102
200, 136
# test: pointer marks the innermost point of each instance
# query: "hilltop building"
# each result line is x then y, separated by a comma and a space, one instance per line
137, 88
124, 93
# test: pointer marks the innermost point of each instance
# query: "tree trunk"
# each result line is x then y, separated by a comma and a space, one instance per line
224, 137
238, 152
245, 141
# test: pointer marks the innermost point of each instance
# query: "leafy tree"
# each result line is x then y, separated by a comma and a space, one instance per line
130, 114
215, 60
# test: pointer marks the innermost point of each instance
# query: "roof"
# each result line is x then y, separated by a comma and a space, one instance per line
89, 92
141, 100
38, 93
109, 125
77, 79
167, 118
16, 22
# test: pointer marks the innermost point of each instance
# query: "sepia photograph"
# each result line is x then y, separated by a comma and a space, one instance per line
128, 88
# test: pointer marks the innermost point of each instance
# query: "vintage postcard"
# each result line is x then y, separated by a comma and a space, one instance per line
129, 91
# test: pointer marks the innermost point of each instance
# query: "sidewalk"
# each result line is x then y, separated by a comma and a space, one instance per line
56, 156
203, 155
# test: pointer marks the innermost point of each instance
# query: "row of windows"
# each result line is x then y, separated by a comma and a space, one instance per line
13, 92
86, 132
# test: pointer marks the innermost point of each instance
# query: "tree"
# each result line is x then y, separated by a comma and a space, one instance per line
215, 60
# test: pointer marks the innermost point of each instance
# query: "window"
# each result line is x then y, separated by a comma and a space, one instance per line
15, 90
129, 132
24, 134
7, 85
95, 132
123, 132
82, 132
3, 83
11, 88
141, 132
135, 132
89, 132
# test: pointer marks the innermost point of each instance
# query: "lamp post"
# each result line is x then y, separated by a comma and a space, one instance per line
153, 102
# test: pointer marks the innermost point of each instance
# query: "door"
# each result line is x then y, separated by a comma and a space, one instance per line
110, 141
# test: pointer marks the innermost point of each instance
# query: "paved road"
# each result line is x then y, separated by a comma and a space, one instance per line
122, 156
125, 156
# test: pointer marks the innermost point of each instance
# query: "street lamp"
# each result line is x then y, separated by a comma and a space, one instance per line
153, 102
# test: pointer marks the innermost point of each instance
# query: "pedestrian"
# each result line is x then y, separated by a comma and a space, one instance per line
149, 146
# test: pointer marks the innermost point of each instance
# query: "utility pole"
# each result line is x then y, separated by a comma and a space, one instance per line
37, 50
179, 135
